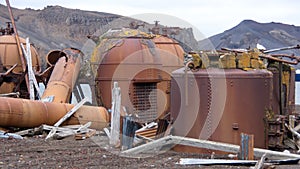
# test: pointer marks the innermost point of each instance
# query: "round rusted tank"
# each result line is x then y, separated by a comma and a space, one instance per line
142, 64
128, 57
172, 57
220, 104
9, 54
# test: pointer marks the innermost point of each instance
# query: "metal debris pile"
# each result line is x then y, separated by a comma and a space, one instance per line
49, 114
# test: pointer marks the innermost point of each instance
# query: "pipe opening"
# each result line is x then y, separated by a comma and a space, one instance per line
53, 56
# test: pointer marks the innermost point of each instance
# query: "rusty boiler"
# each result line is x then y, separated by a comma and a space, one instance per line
141, 64
13, 81
220, 104
172, 56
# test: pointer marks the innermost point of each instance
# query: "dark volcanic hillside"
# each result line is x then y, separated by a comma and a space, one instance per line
248, 33
57, 27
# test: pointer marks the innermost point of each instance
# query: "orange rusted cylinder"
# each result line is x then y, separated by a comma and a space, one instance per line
9, 54
25, 113
64, 75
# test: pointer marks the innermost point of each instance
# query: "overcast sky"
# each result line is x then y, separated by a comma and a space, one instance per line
209, 17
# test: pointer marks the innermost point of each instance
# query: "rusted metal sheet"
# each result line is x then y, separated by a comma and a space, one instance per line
288, 93
25, 113
64, 75
220, 104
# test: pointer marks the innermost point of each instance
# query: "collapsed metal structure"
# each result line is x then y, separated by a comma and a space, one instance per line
59, 77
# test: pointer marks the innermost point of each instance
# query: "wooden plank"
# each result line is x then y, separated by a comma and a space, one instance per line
66, 116
148, 126
115, 115
32, 131
86, 135
65, 132
173, 140
260, 163
231, 148
195, 161
292, 130
29, 69
150, 131
31, 76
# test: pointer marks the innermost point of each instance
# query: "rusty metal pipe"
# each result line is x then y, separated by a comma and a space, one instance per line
53, 56
64, 75
25, 113
278, 59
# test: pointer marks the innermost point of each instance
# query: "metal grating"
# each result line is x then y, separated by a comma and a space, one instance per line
145, 101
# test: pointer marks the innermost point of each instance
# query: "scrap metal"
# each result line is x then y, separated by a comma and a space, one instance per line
66, 64
25, 113
21, 56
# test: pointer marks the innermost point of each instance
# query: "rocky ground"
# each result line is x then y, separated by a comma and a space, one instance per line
35, 152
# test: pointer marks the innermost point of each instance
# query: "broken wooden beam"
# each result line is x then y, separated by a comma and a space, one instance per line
206, 144
115, 115
260, 163
65, 117
195, 161
292, 130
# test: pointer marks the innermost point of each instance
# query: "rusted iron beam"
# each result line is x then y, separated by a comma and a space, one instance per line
278, 59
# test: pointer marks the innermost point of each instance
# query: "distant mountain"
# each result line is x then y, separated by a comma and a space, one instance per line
248, 33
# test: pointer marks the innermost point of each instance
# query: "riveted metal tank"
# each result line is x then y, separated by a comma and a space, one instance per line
128, 57
172, 57
9, 56
220, 104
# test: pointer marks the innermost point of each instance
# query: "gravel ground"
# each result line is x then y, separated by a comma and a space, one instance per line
35, 152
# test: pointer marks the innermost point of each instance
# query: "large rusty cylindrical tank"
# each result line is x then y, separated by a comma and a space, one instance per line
128, 57
25, 113
171, 56
9, 56
220, 104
